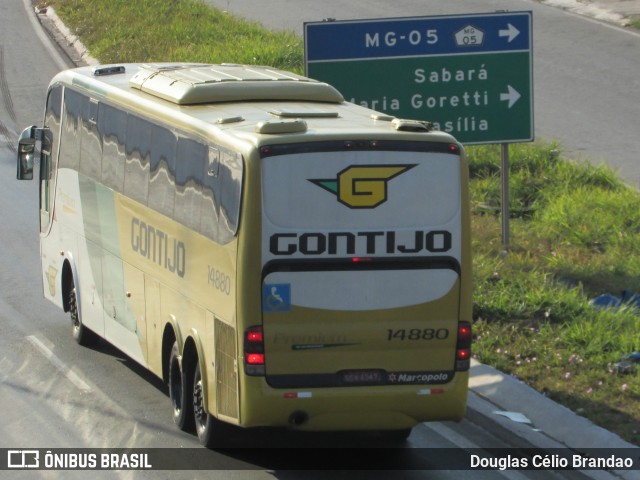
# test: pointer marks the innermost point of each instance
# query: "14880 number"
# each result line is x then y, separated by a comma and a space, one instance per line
418, 334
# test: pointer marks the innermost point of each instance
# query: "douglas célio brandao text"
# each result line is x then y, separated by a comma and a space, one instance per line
551, 461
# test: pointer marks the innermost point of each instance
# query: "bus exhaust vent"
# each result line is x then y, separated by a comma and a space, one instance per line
273, 127
403, 125
198, 84
226, 369
304, 113
108, 70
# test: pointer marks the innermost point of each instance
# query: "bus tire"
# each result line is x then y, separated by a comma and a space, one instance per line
211, 431
179, 391
81, 334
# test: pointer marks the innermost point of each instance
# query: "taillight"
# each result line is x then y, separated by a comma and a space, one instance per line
254, 351
255, 358
254, 335
463, 347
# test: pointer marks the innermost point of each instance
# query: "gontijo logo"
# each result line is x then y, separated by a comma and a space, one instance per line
362, 186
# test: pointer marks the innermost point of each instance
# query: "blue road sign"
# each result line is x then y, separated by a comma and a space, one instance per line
472, 75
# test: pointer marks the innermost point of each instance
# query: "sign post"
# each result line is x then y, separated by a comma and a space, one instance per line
504, 193
471, 75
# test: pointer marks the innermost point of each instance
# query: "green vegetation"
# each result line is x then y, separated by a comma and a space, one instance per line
174, 30
575, 231
575, 234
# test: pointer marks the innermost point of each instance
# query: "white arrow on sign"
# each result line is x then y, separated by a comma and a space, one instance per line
512, 96
511, 32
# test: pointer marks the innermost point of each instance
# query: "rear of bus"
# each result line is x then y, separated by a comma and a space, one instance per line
365, 285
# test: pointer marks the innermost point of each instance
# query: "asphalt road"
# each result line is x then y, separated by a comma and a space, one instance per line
586, 73
55, 394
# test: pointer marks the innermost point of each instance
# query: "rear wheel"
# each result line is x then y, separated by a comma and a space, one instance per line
180, 389
81, 334
211, 431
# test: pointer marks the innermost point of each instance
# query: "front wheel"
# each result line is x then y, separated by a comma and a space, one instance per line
81, 334
211, 431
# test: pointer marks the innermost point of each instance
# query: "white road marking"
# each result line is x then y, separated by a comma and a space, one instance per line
59, 364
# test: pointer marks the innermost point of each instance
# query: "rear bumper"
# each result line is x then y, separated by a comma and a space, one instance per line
353, 408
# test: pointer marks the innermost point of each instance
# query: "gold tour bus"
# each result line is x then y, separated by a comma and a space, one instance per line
278, 256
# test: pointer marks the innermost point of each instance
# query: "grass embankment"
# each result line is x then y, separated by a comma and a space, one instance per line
174, 30
575, 232
576, 235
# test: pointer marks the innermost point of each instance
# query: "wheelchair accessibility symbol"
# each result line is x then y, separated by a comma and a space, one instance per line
276, 297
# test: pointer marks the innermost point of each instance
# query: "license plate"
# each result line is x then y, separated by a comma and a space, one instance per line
363, 377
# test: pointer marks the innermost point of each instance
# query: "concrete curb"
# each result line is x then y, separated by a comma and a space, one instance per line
593, 10
552, 425
73, 42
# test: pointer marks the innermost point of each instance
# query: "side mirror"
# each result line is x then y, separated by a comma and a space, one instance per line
26, 153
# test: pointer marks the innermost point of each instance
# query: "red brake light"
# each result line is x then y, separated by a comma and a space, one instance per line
255, 359
463, 354
254, 335
464, 332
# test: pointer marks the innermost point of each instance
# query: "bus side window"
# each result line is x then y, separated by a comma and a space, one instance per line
90, 141
54, 112
163, 167
136, 175
210, 214
112, 123
231, 182
190, 166
71, 120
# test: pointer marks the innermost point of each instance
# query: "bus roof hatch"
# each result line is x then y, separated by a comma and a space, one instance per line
197, 84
